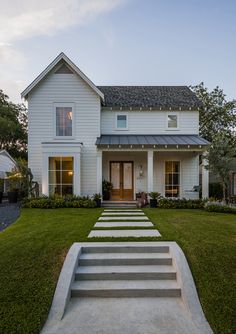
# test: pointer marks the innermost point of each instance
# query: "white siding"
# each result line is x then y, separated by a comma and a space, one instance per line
70, 88
150, 122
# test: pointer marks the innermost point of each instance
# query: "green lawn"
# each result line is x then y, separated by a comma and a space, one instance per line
33, 249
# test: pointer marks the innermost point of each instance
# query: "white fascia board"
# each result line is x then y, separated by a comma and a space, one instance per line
4, 152
60, 57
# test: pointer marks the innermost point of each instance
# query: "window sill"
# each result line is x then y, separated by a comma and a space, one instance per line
64, 138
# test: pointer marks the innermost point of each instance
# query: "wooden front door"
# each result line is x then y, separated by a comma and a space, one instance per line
121, 176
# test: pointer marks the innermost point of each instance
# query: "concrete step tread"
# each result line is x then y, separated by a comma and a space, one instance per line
136, 233
126, 249
122, 210
124, 256
125, 285
124, 218
126, 269
122, 213
123, 224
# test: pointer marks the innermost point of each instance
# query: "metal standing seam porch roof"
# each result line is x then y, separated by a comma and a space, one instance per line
150, 140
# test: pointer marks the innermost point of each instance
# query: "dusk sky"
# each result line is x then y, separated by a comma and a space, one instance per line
120, 42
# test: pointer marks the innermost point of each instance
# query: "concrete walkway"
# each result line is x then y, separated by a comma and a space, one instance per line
135, 219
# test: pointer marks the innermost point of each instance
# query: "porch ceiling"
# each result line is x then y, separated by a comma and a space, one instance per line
151, 140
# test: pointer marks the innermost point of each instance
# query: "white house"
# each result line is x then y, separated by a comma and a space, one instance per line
7, 164
141, 138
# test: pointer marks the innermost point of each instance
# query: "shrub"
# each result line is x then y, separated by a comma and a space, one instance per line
220, 208
56, 202
154, 195
216, 190
183, 203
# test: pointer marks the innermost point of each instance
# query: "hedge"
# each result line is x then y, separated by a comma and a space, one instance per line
220, 208
169, 203
59, 202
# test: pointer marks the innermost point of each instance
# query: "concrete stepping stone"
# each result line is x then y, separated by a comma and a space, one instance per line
122, 213
124, 218
124, 224
123, 233
122, 210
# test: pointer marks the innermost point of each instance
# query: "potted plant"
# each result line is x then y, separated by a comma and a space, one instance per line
106, 189
153, 199
98, 199
1, 189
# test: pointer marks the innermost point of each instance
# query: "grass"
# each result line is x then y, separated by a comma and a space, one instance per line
33, 250
209, 243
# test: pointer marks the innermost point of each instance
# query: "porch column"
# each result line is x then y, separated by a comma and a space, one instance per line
77, 174
205, 179
99, 172
149, 171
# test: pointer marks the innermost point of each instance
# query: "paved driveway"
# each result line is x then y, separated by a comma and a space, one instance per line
8, 214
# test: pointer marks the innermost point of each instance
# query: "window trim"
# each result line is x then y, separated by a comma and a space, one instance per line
172, 114
127, 121
58, 105
180, 178
59, 155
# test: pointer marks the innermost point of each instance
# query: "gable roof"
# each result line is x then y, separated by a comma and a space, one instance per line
150, 97
6, 163
59, 58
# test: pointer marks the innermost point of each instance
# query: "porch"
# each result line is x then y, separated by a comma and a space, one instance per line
170, 169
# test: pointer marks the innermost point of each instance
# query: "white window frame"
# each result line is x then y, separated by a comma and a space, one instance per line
180, 177
172, 114
49, 170
58, 105
127, 120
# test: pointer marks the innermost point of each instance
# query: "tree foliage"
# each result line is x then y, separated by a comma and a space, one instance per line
217, 114
220, 156
13, 127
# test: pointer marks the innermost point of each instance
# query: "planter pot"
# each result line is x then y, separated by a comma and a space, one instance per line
153, 203
98, 202
12, 196
106, 196
1, 195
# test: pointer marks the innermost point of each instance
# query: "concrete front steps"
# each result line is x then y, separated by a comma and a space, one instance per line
117, 272
119, 204
126, 287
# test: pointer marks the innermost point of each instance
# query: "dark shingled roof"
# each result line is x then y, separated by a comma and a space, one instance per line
150, 97
149, 140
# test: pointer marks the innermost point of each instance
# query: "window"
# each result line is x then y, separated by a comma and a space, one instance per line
122, 122
61, 173
172, 121
172, 178
64, 121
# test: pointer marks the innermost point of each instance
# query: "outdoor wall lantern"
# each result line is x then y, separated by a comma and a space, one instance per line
140, 169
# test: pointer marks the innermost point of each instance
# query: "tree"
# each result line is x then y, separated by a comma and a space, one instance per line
217, 114
220, 155
13, 127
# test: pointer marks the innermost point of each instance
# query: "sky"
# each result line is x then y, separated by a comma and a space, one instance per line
120, 42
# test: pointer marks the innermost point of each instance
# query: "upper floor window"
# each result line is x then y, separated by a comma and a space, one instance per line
64, 118
172, 121
121, 122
